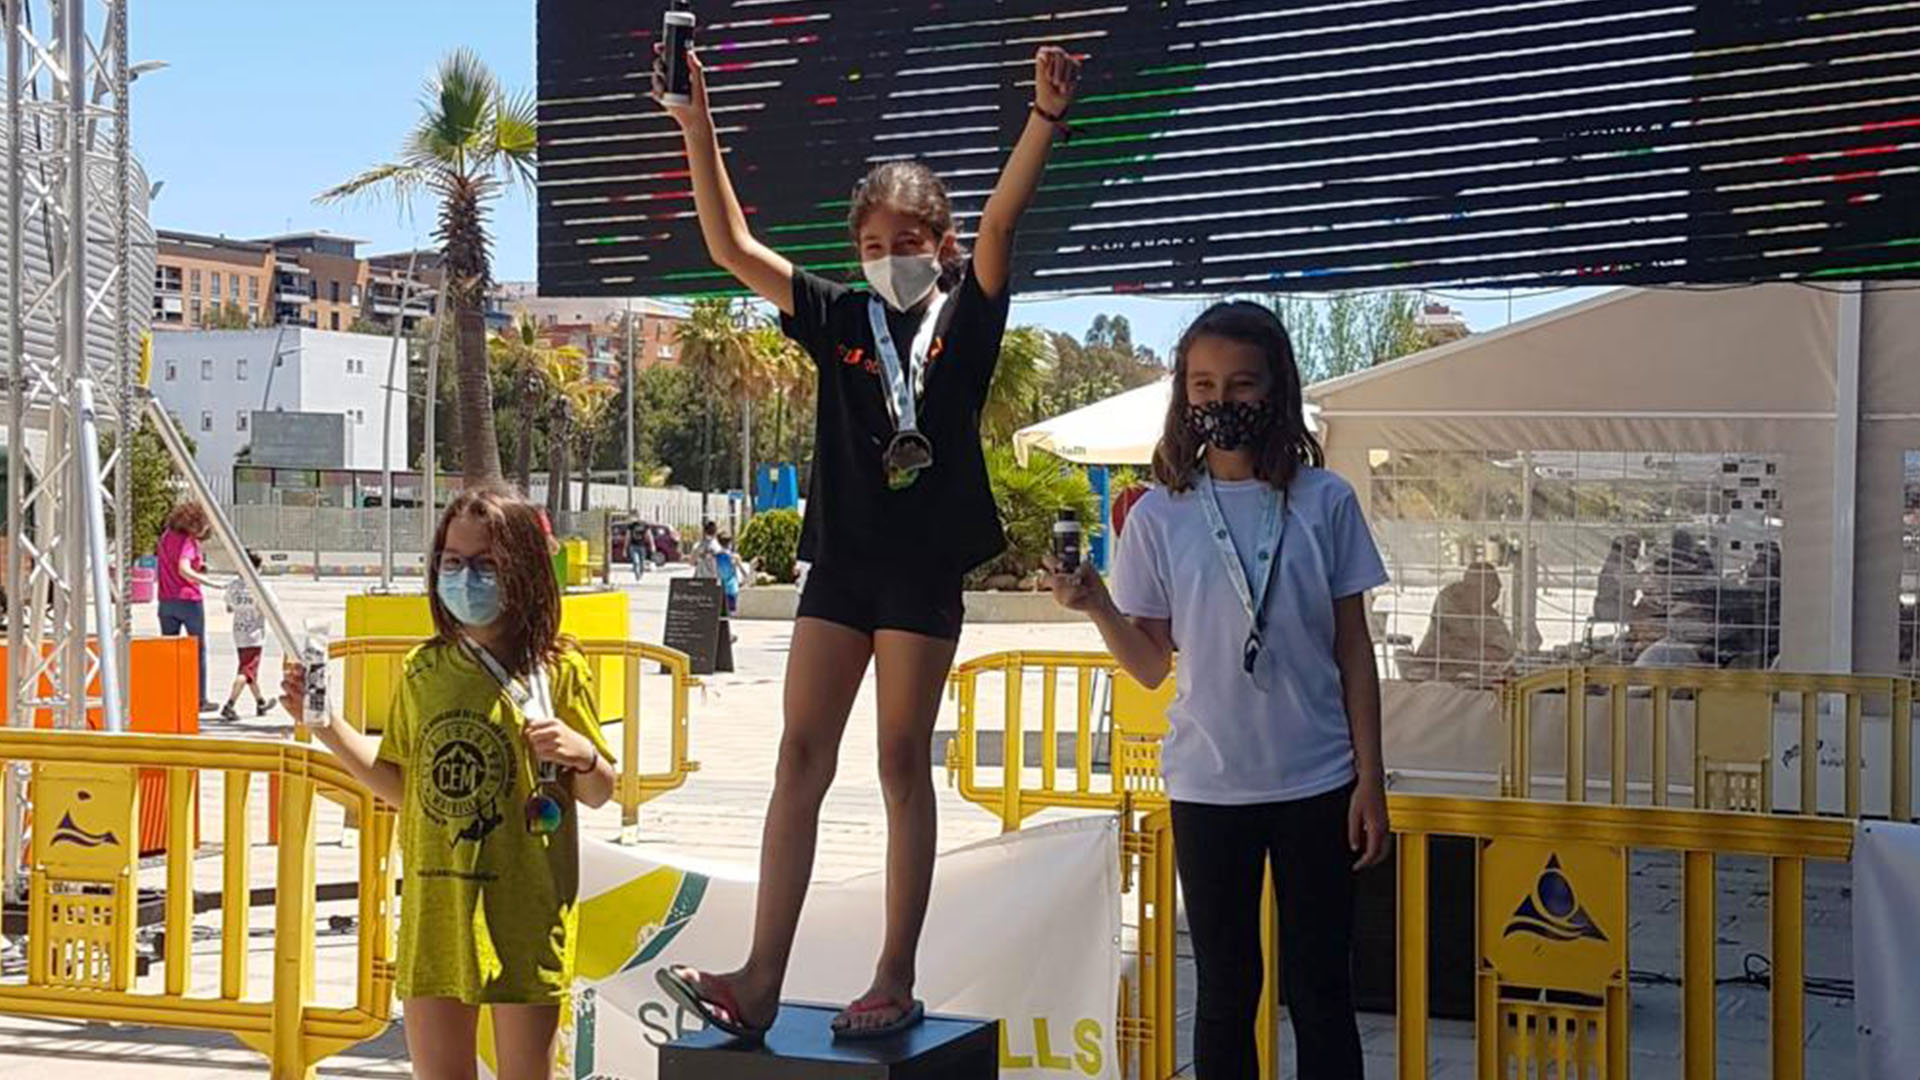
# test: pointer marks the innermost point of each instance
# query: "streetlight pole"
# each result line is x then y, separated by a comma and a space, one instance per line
386, 429
632, 361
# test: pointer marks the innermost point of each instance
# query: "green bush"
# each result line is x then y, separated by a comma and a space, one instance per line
771, 542
1030, 500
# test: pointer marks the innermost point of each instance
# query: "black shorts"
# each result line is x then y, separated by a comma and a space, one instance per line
915, 601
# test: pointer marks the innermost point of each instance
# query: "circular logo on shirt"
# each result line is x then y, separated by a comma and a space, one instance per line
469, 765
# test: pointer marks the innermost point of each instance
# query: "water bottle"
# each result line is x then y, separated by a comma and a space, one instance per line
677, 35
313, 656
1066, 541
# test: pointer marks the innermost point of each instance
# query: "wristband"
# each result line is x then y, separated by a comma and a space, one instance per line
1058, 120
593, 763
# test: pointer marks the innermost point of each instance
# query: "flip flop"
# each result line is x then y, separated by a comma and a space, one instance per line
716, 1005
911, 1014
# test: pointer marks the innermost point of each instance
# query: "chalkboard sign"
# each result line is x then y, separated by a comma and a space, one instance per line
697, 624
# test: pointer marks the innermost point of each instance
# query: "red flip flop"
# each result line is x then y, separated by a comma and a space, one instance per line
710, 1000
911, 1013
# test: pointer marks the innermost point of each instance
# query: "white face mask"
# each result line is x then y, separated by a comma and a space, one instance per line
902, 280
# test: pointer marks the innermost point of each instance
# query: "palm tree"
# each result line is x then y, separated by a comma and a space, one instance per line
473, 139
525, 366
1026, 357
715, 348
790, 373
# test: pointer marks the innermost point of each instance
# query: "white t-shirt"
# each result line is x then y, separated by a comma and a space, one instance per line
1229, 743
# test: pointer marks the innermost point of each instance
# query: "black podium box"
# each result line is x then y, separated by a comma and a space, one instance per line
801, 1047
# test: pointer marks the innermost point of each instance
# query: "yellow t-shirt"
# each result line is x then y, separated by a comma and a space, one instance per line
487, 908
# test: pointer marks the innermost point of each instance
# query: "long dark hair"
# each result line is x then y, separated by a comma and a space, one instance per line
913, 189
1289, 444
529, 591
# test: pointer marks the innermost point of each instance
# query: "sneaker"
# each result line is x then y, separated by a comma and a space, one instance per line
208, 707
266, 706
227, 713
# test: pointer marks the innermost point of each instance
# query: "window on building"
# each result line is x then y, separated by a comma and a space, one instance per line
253, 314
333, 291
206, 370
240, 370
216, 285
233, 287
666, 352
253, 287
240, 420
193, 282
333, 320
173, 371
1506, 559
206, 420
193, 308
355, 293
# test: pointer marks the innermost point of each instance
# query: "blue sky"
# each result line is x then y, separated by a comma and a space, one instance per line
264, 105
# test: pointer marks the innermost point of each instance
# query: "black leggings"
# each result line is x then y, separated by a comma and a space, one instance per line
1221, 851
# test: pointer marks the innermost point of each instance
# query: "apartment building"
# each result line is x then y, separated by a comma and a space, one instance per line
313, 279
196, 275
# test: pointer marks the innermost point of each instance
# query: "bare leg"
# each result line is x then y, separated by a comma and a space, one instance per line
824, 671
912, 670
523, 1038
440, 1038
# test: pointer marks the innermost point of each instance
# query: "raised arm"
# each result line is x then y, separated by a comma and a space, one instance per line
1056, 78
722, 223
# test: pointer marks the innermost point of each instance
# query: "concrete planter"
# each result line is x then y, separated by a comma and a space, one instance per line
781, 602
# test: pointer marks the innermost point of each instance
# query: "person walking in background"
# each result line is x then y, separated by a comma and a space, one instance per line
183, 571
706, 563
249, 639
727, 565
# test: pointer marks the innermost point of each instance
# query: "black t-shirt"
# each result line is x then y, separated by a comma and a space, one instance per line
947, 520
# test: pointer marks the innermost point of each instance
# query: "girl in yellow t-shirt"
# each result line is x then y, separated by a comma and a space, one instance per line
492, 740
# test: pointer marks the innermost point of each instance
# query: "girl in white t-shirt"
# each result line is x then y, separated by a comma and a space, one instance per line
1253, 562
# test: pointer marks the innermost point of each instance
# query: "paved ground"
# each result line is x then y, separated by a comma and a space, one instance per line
717, 816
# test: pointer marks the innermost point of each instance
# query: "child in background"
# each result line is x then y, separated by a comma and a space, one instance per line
1256, 561
727, 562
493, 740
249, 638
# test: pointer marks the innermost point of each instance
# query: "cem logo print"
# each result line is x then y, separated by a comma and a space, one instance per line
469, 766
1553, 911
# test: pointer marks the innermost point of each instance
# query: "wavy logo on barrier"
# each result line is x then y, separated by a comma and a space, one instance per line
70, 833
1552, 911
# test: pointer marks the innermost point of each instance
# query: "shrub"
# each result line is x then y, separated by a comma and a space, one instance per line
771, 542
1030, 499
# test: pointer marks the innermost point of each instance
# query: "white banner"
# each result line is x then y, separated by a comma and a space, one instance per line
1886, 953
1024, 928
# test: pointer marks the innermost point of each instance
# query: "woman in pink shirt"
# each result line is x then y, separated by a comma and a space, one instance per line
183, 570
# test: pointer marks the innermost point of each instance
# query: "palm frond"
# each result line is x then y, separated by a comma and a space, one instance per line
396, 180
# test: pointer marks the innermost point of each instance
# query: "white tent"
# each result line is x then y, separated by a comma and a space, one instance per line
1120, 430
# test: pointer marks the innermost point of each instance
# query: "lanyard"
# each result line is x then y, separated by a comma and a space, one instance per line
903, 387
518, 692
1273, 524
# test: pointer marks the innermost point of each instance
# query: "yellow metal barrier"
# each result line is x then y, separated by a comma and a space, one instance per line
1552, 934
84, 887
1732, 744
361, 657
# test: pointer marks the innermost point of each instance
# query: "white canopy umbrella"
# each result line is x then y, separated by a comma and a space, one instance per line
1120, 430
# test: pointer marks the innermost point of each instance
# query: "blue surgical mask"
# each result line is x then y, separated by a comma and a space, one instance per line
471, 596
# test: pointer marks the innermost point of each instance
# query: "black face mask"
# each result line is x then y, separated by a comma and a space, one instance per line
1230, 425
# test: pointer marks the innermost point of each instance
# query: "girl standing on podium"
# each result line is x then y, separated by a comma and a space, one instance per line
1254, 562
899, 511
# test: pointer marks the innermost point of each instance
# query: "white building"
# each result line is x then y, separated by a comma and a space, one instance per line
213, 381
